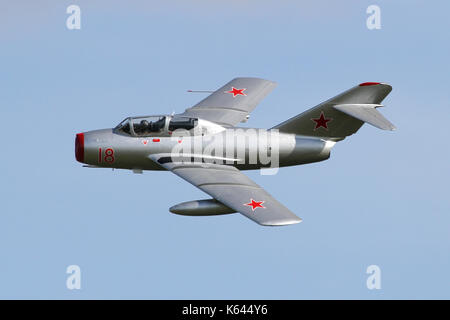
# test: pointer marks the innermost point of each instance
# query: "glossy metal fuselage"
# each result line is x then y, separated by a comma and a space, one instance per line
112, 149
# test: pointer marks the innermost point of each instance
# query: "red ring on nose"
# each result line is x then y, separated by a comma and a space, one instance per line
79, 147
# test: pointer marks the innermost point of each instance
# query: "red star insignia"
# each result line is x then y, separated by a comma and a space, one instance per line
236, 92
321, 121
255, 204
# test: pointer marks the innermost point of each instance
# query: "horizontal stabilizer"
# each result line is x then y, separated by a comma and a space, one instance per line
367, 113
342, 115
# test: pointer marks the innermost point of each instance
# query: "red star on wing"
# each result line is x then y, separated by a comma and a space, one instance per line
321, 121
236, 92
255, 204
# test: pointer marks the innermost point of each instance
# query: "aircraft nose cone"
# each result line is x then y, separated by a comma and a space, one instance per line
79, 147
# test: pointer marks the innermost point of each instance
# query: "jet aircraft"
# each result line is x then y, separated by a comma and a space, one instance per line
204, 146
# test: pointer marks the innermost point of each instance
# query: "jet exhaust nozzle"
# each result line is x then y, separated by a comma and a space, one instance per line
207, 207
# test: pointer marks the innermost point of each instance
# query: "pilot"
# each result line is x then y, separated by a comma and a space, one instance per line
144, 126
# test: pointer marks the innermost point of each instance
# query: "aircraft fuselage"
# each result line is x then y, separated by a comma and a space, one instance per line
243, 148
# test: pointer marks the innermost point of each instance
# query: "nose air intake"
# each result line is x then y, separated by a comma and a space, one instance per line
79, 147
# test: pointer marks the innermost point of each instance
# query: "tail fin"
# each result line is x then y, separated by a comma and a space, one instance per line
342, 115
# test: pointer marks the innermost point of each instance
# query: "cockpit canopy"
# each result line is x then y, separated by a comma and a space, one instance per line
155, 125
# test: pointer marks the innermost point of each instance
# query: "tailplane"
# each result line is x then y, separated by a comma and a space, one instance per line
342, 115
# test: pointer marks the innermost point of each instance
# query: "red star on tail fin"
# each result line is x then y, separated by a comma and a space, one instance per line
321, 121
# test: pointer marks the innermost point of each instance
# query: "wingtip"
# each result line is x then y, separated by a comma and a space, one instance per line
389, 127
279, 223
256, 78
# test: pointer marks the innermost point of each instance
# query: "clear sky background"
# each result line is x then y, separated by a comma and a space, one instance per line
382, 198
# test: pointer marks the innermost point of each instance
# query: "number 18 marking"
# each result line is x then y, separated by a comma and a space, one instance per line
107, 157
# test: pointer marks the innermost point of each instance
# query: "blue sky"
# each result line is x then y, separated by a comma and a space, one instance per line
382, 197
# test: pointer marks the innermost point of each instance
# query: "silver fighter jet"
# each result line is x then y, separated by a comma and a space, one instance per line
203, 146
